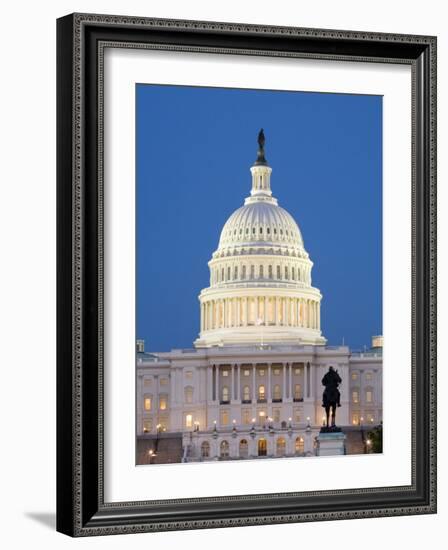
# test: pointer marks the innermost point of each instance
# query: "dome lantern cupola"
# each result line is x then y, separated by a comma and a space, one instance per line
260, 275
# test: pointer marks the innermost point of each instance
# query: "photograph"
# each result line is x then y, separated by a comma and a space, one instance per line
259, 330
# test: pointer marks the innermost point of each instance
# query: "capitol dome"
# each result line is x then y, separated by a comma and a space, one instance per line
260, 275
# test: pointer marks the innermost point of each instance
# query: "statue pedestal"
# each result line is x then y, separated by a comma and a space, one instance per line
330, 443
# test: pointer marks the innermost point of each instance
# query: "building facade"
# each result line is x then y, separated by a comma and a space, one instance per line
251, 386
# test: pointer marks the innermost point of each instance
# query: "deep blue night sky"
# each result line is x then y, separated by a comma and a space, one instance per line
194, 150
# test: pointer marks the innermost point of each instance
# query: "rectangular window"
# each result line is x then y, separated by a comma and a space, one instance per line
189, 375
355, 419
225, 418
369, 376
260, 372
225, 373
163, 381
297, 371
246, 373
369, 396
163, 423
297, 416
276, 372
355, 396
188, 420
276, 415
147, 382
147, 403
354, 376
163, 402
147, 425
246, 416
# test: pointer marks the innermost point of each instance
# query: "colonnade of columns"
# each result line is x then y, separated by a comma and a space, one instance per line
235, 385
262, 310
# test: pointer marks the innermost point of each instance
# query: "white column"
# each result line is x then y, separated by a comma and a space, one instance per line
232, 392
266, 318
254, 398
290, 381
269, 384
275, 311
238, 306
238, 383
246, 312
318, 316
284, 311
217, 382
209, 383
284, 382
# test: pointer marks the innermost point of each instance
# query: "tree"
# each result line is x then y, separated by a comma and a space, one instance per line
376, 438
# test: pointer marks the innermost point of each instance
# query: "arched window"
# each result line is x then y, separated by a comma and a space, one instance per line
277, 392
261, 272
222, 274
270, 272
235, 274
297, 391
252, 272
278, 272
228, 273
224, 449
243, 276
281, 446
205, 449
188, 392
299, 446
225, 393
261, 392
293, 273
262, 447
286, 272
246, 393
244, 448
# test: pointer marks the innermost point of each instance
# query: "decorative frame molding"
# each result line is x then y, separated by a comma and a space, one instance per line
81, 39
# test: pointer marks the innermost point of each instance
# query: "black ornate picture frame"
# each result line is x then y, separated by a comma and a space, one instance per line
81, 508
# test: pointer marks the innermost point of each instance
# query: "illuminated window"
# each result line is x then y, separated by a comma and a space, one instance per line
281, 446
355, 396
355, 419
244, 448
225, 373
354, 376
262, 447
276, 372
147, 425
261, 416
246, 393
277, 392
246, 416
224, 418
188, 394
163, 400
260, 372
188, 420
297, 371
224, 449
261, 392
297, 391
369, 376
147, 382
205, 449
148, 402
276, 415
163, 381
299, 445
225, 393
369, 396
246, 372
163, 423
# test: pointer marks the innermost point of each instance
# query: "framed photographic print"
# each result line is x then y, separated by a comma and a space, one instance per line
246, 274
